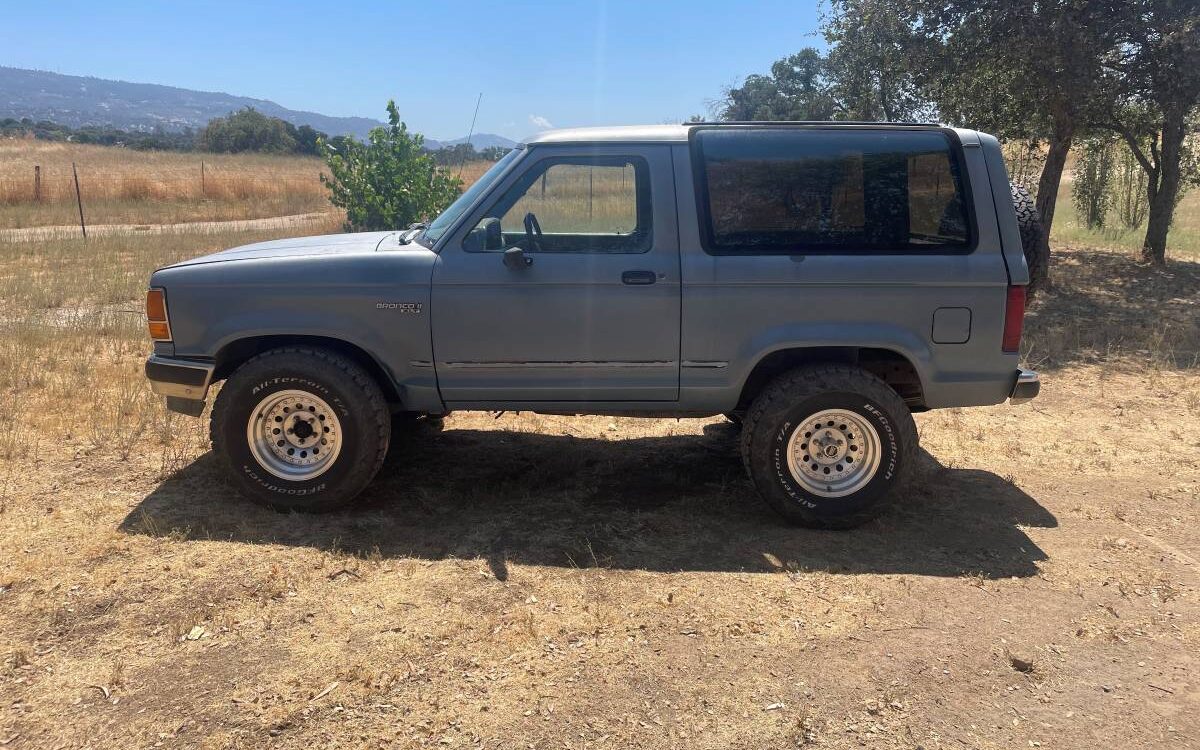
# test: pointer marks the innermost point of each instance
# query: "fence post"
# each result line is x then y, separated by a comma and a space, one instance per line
203, 192
79, 200
37, 183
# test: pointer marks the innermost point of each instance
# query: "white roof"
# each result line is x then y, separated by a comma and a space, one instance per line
679, 133
614, 134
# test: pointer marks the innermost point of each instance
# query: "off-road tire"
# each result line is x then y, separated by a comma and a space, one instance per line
349, 390
1033, 238
736, 417
785, 405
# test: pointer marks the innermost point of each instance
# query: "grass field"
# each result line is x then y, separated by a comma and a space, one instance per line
1183, 241
122, 186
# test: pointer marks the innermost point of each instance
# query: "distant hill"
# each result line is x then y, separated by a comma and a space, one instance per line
78, 101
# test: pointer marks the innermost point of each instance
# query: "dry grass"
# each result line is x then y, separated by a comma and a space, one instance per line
550, 582
579, 199
471, 171
122, 186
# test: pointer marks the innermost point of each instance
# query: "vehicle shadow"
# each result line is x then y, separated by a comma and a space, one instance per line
1104, 302
672, 503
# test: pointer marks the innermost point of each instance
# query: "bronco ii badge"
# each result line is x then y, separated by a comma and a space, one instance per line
403, 307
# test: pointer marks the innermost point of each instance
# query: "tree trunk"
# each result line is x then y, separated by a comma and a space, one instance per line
1056, 160
1163, 189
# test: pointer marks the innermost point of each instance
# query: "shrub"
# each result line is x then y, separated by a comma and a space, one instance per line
387, 182
248, 130
1093, 182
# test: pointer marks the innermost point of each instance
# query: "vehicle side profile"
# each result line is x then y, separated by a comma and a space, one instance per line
815, 282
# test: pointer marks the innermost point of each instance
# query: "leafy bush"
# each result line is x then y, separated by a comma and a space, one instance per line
1093, 182
249, 130
388, 182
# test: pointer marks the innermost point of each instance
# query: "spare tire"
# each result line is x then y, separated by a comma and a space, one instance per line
1034, 243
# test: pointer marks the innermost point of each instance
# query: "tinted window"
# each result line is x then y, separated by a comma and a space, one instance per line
599, 205
802, 190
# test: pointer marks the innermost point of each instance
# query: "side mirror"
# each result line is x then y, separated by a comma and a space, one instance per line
515, 258
493, 238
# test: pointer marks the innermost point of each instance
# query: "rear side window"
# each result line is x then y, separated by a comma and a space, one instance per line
804, 190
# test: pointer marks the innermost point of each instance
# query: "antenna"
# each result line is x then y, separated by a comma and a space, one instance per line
470, 134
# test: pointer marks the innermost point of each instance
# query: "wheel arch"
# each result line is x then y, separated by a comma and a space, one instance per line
235, 353
893, 367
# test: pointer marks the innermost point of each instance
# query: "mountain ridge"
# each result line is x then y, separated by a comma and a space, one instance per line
78, 101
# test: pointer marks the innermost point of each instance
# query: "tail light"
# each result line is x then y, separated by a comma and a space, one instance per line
1014, 319
156, 315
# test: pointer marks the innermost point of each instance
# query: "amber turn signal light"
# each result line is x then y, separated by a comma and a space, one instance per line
156, 315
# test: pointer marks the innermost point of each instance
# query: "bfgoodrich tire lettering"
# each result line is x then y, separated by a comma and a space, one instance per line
788, 405
339, 383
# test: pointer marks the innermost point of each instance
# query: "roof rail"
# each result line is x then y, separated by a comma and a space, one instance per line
816, 122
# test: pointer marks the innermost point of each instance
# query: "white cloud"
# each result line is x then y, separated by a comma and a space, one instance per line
540, 121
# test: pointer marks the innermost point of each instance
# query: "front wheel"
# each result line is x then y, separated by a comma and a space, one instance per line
301, 429
828, 446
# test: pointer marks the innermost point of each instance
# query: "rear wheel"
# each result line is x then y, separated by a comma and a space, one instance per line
828, 446
301, 429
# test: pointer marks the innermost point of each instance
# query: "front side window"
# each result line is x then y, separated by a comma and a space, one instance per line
801, 190
570, 204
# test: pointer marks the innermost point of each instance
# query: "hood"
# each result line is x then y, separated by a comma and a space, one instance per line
327, 244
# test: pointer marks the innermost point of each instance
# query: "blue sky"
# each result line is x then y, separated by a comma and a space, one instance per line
537, 64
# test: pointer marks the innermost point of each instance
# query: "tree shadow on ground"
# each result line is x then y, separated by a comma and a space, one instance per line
1105, 302
674, 503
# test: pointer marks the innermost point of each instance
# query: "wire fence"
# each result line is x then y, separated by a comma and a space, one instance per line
55, 184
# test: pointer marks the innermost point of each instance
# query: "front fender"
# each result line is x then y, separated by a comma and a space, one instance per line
378, 302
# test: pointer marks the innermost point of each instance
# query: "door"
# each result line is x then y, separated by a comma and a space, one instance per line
564, 286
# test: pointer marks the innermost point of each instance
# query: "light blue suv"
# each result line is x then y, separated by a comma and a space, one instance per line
815, 282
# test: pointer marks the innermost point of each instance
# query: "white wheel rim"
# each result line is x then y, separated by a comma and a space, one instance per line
294, 435
834, 453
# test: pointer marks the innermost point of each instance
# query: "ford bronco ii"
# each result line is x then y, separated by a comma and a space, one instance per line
817, 283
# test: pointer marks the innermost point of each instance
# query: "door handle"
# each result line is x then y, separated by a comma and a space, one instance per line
638, 278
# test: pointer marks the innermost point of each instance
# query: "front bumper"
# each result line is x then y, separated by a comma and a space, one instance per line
1026, 388
184, 382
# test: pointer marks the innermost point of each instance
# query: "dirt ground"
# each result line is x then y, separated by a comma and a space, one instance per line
551, 582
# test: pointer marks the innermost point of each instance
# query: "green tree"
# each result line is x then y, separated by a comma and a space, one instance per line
307, 139
797, 88
388, 182
1155, 68
1020, 70
1091, 189
452, 156
870, 64
248, 130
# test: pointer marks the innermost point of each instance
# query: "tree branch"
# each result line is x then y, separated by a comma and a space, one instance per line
1134, 146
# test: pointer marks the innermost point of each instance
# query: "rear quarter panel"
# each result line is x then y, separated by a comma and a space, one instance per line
737, 309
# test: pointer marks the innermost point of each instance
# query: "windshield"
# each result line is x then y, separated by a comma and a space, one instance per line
447, 218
